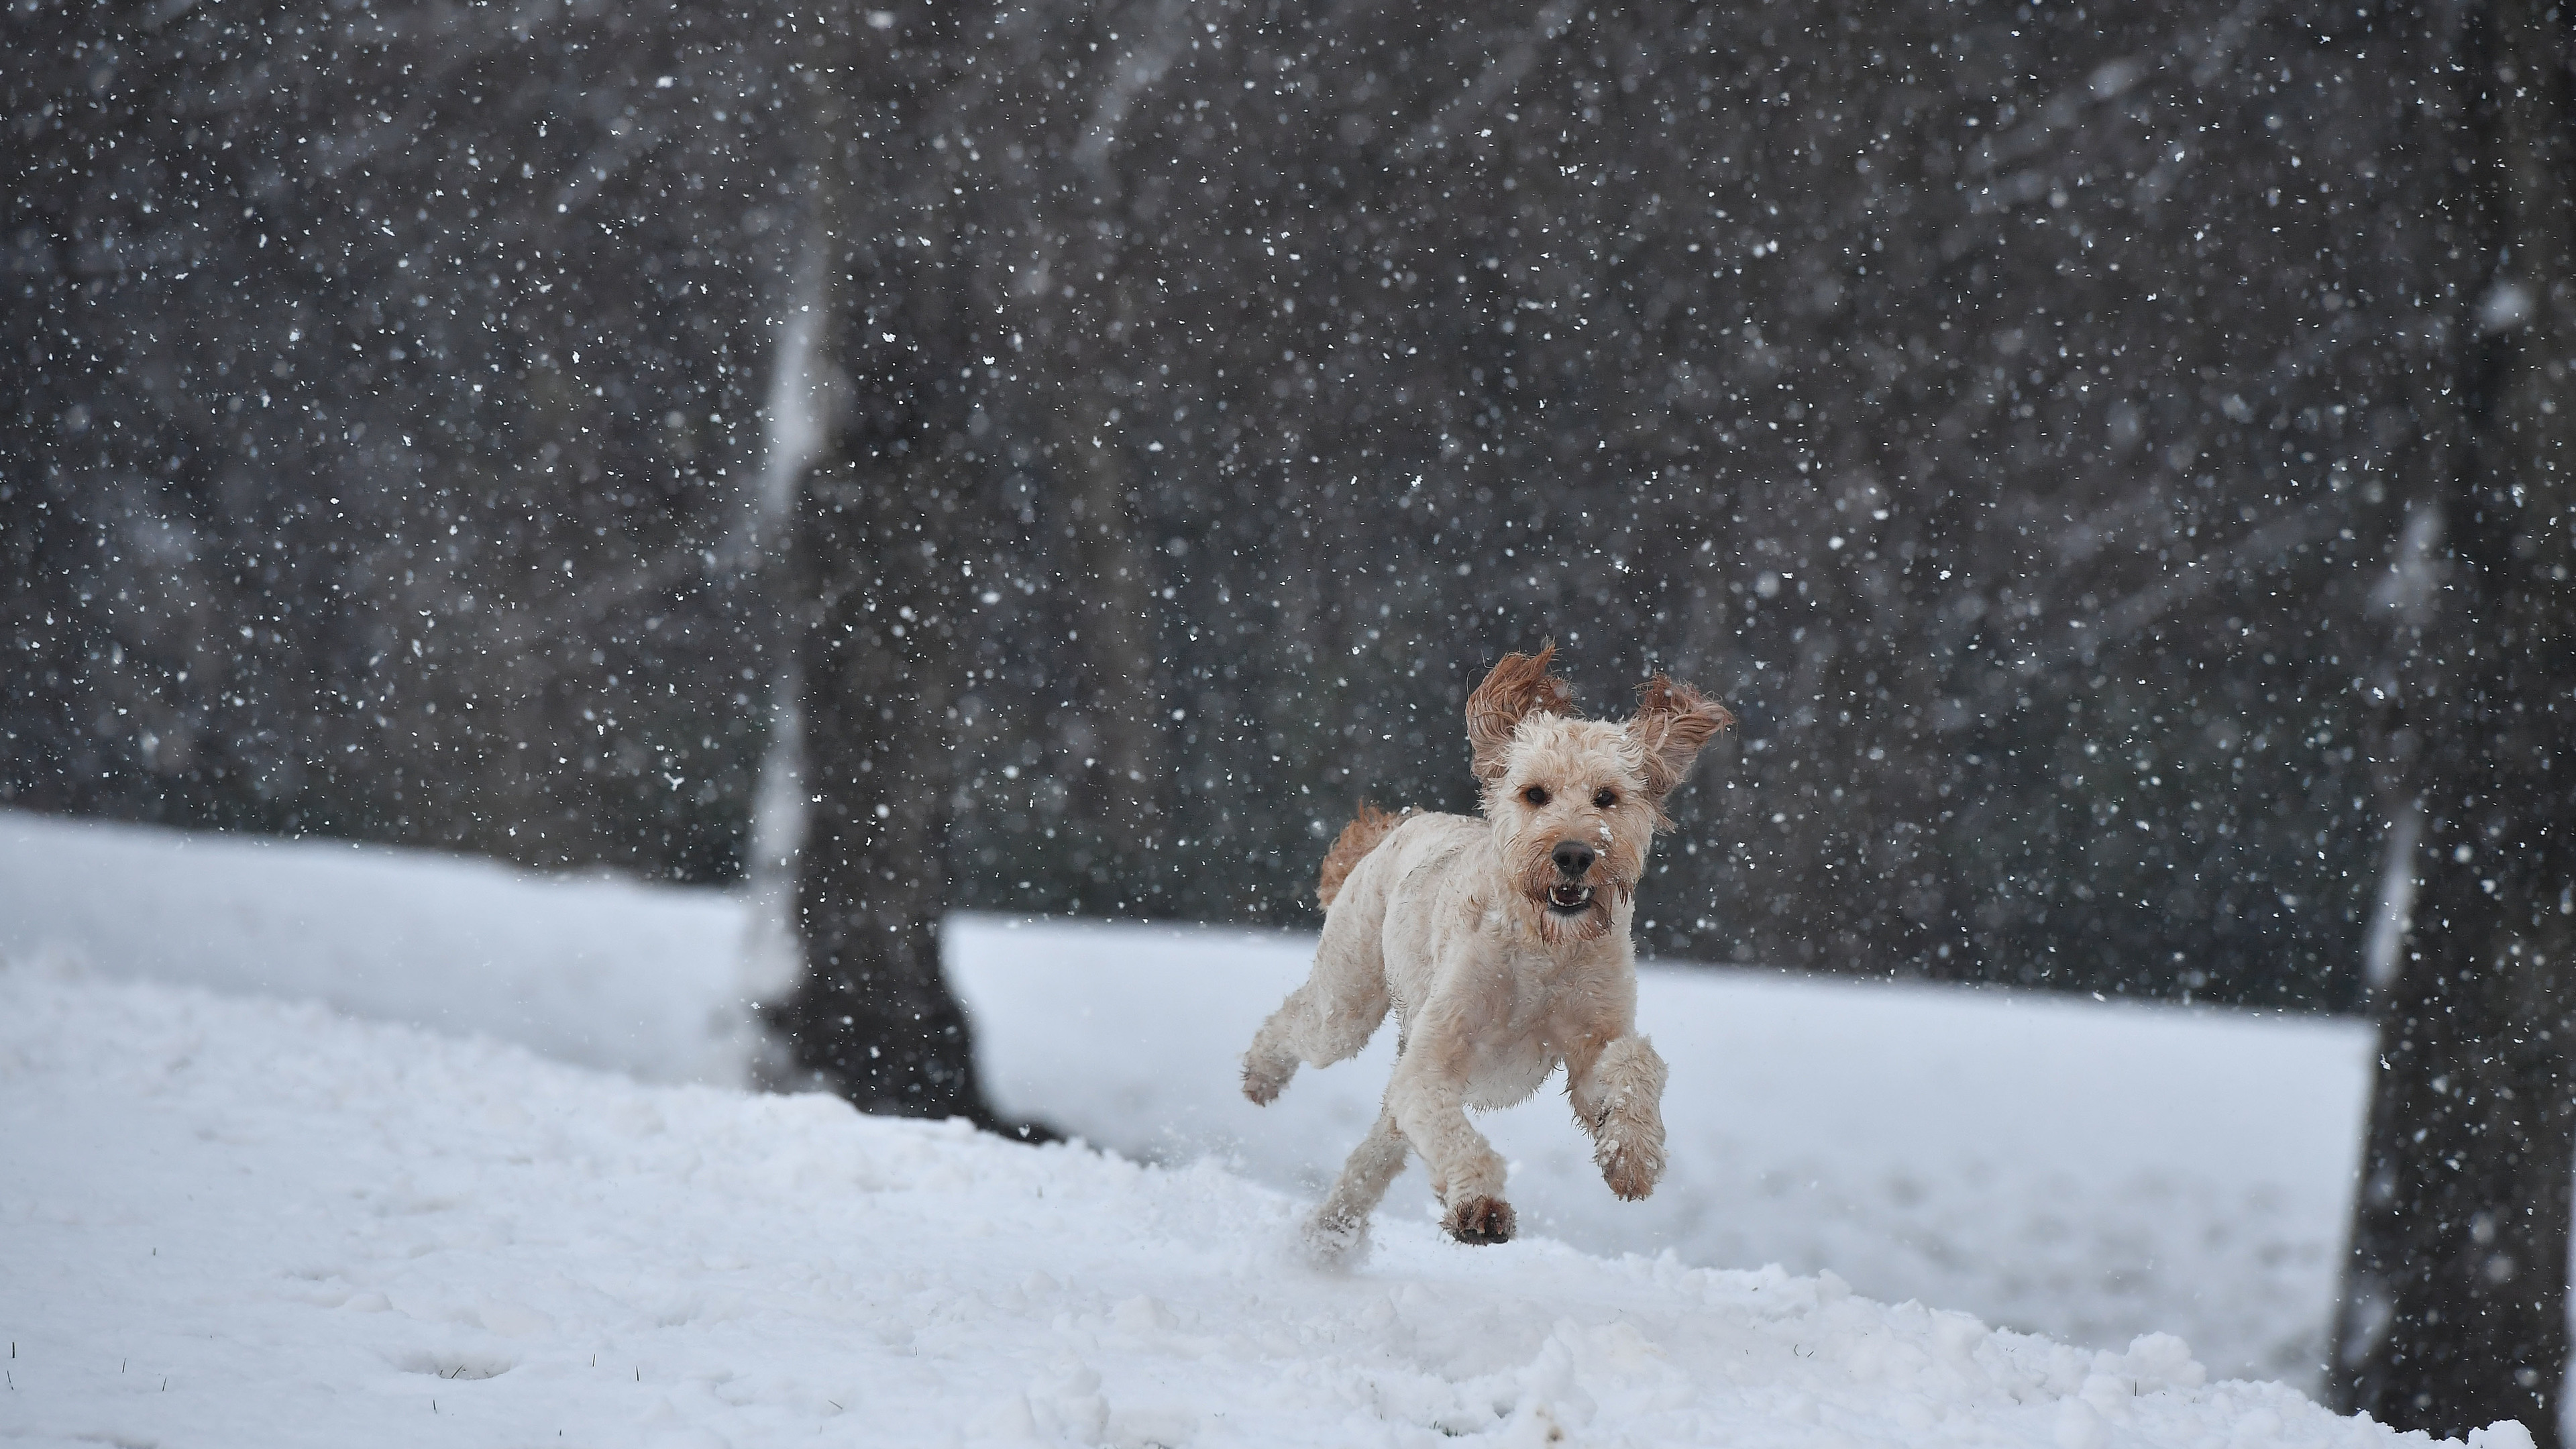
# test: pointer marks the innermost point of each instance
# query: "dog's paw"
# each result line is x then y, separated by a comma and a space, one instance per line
1332, 1241
1480, 1220
1631, 1169
1264, 1081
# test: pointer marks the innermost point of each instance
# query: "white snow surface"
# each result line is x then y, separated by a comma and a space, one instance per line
312, 1228
600, 970
257, 1222
2089, 1170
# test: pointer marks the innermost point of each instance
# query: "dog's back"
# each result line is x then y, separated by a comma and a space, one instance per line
1357, 839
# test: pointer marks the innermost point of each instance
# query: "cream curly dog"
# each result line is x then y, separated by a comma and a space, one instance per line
1502, 943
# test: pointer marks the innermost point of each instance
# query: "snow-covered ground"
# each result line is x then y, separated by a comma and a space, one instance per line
2090, 1171
313, 1227
599, 971
245, 1222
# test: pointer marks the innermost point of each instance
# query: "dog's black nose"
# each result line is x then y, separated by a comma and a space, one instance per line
1572, 858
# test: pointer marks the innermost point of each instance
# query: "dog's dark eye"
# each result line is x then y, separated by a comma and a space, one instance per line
1605, 797
1535, 794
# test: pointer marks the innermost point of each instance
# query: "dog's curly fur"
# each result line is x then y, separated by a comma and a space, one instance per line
1357, 839
1502, 945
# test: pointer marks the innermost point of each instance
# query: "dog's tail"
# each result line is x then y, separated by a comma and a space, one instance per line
1357, 839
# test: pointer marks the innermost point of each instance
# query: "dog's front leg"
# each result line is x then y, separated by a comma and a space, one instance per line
1618, 1097
1429, 1100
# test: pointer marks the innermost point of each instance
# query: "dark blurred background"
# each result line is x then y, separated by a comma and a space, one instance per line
2005, 409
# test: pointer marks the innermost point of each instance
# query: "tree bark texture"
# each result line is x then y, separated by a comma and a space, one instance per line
886, 537
2455, 1311
873, 1015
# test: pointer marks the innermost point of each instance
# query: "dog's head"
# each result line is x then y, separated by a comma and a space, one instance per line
1575, 802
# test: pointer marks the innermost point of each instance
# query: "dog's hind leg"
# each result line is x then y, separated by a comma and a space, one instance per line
1339, 1227
1334, 1014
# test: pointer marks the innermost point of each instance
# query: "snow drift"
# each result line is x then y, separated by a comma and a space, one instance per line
341, 1210
252, 1222
2089, 1171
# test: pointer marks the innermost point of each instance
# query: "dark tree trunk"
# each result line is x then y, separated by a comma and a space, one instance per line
873, 1015
882, 529
2455, 1311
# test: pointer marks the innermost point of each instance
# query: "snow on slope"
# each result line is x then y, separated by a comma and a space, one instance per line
2087, 1170
598, 970
2092, 1172
252, 1222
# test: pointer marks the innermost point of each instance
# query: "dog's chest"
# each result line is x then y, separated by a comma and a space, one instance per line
1509, 1076
1509, 1059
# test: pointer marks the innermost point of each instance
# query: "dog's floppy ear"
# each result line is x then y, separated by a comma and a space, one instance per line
1518, 686
1673, 721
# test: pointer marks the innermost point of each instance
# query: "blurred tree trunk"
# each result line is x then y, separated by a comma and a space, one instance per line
877, 588
2455, 1311
873, 1015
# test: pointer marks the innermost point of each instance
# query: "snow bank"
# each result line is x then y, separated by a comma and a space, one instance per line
600, 971
253, 1222
2093, 1171
2089, 1171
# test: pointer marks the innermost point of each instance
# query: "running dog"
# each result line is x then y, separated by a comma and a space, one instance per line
1502, 944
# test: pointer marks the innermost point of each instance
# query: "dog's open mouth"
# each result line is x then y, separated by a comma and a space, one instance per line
1569, 899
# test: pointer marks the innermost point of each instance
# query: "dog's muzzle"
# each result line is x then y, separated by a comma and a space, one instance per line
1573, 861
